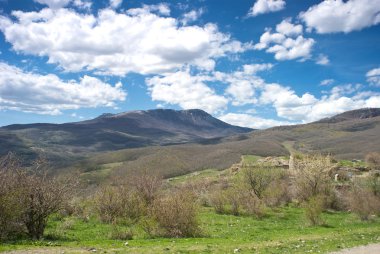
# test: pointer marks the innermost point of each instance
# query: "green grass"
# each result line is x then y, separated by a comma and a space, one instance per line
197, 176
352, 164
249, 159
283, 230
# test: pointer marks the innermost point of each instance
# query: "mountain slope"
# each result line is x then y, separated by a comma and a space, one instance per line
115, 131
352, 115
349, 138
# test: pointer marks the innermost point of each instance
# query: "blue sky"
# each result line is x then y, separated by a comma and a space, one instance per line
256, 63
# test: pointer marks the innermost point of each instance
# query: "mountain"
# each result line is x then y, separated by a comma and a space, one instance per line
115, 131
355, 134
177, 142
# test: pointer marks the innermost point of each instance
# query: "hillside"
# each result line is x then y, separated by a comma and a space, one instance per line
351, 138
177, 142
110, 132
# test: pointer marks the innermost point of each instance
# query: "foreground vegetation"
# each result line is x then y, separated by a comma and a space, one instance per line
283, 230
254, 206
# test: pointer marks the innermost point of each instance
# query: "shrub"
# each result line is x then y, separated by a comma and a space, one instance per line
374, 184
108, 202
146, 185
176, 215
312, 177
252, 205
10, 207
258, 177
234, 200
218, 201
277, 193
29, 197
363, 201
118, 203
313, 210
373, 160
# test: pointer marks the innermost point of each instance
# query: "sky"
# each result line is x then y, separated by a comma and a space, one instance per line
254, 63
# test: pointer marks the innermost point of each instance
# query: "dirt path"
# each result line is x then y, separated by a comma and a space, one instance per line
367, 249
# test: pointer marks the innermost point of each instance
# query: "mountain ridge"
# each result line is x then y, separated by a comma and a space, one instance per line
109, 132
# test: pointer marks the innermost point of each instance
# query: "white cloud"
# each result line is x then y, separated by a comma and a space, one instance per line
161, 8
326, 82
288, 29
254, 122
265, 6
287, 42
322, 60
242, 84
54, 4
115, 3
187, 91
191, 16
117, 43
83, 4
287, 104
307, 108
333, 16
244, 87
373, 77
48, 94
251, 69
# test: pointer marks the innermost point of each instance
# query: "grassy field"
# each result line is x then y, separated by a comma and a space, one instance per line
283, 230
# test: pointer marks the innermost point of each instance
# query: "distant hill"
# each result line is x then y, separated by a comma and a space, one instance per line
115, 131
177, 142
352, 115
352, 137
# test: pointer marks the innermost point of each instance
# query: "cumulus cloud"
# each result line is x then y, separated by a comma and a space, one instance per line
251, 121
48, 94
323, 60
265, 6
287, 104
373, 77
191, 16
186, 90
117, 43
244, 87
333, 16
242, 84
307, 108
287, 42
